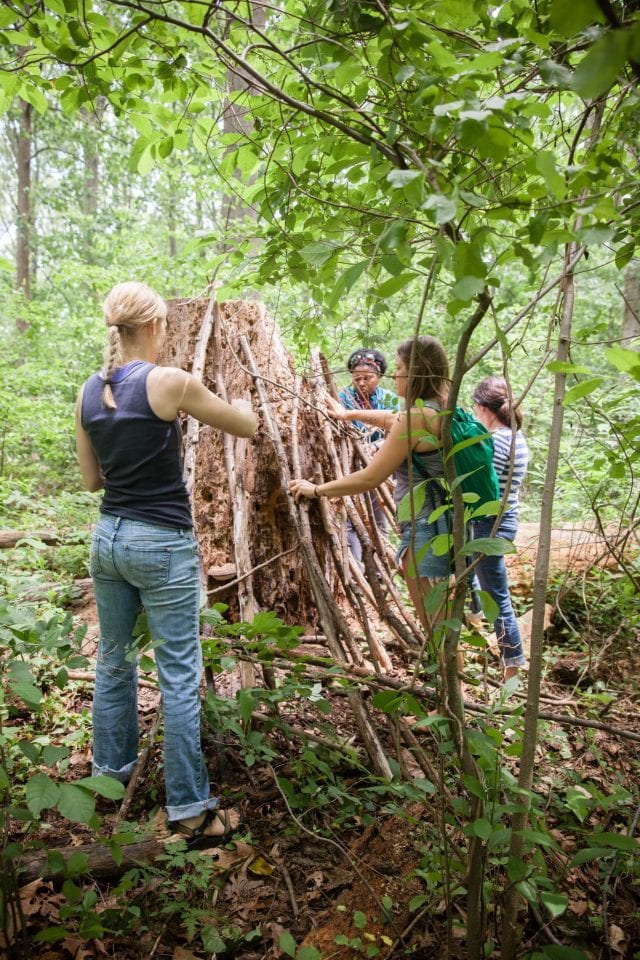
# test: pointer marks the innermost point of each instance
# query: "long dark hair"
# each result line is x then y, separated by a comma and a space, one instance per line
428, 369
493, 393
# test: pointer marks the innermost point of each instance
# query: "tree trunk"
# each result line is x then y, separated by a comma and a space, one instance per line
235, 121
91, 180
631, 312
510, 928
24, 206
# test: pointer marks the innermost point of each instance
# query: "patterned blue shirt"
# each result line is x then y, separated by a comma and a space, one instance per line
380, 399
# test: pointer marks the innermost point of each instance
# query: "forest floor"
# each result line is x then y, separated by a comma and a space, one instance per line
362, 885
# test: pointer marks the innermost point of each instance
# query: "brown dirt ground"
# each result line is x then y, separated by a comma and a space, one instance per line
288, 878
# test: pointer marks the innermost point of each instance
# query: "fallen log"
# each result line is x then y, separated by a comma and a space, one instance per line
75, 591
11, 538
99, 861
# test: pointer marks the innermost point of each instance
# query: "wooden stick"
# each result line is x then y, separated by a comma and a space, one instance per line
234, 455
141, 763
197, 369
332, 619
368, 558
259, 566
90, 677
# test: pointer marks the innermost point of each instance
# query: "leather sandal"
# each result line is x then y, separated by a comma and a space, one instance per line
196, 837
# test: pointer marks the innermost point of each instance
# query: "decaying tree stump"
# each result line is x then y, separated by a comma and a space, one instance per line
240, 505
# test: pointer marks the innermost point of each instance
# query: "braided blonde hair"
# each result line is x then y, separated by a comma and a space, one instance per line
129, 307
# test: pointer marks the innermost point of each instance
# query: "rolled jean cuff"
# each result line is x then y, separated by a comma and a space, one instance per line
519, 661
192, 809
123, 775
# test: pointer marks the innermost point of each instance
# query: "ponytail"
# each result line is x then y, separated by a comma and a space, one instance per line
493, 393
128, 307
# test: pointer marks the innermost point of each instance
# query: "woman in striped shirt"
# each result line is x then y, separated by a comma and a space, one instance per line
492, 406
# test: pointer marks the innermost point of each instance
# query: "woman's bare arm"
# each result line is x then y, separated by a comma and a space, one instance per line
383, 419
170, 390
89, 466
404, 435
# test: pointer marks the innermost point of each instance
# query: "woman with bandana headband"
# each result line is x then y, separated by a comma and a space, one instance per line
366, 367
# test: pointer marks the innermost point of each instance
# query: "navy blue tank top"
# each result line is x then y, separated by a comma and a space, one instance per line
140, 455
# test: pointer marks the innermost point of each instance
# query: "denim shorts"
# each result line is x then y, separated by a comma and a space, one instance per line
419, 535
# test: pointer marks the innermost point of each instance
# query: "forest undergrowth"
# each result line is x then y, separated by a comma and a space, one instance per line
332, 861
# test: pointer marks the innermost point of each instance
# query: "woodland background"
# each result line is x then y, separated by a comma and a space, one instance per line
365, 170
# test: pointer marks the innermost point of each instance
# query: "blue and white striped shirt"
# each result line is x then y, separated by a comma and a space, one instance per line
501, 461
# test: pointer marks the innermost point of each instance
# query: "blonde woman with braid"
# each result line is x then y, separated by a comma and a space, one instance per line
144, 554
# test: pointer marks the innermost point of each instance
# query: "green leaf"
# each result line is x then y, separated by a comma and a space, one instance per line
582, 389
52, 754
417, 493
30, 750
467, 288
287, 944
359, 920
569, 17
556, 903
308, 953
555, 74
469, 442
489, 606
625, 254
488, 546
538, 839
35, 97
318, 252
590, 853
394, 284
474, 786
26, 691
528, 891
602, 64
245, 704
387, 700
596, 233
626, 360
546, 165
346, 281
416, 902
580, 801
441, 544
619, 841
212, 941
76, 803
400, 178
565, 366
443, 208
554, 952
52, 934
481, 828
105, 786
41, 793
77, 863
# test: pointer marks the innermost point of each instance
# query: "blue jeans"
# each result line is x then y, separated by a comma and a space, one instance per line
136, 564
380, 518
492, 576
